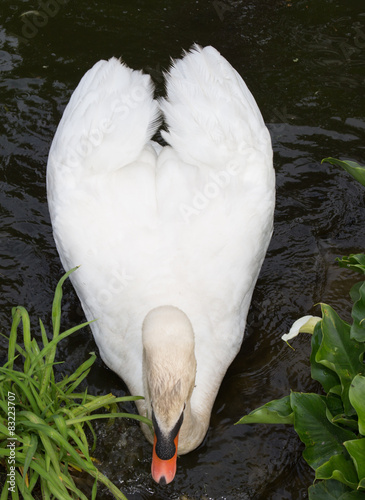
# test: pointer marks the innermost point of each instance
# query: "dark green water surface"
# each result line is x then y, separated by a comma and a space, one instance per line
304, 61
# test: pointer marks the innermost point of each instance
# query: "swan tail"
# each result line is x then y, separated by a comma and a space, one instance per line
211, 115
109, 119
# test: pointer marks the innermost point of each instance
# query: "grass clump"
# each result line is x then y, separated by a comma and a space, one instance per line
42, 421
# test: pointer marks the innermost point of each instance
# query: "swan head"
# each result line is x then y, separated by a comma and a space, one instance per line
169, 368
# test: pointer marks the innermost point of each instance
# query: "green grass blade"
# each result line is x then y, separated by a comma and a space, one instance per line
34, 476
84, 449
133, 416
78, 376
97, 402
60, 441
15, 377
11, 340
46, 494
94, 490
5, 492
47, 350
43, 333
67, 480
61, 425
13, 337
104, 480
22, 487
30, 453
56, 306
39, 425
26, 336
50, 417
93, 435
50, 348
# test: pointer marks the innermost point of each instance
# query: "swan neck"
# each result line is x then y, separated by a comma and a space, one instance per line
193, 430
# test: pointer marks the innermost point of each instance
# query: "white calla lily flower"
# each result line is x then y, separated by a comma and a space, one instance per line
305, 324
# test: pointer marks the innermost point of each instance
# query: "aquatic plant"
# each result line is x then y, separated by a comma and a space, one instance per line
331, 426
43, 444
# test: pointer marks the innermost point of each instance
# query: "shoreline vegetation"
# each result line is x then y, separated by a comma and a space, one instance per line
43, 445
331, 425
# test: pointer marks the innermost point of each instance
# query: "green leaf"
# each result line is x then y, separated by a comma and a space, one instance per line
335, 413
48, 448
357, 171
339, 352
356, 262
340, 468
334, 404
4, 493
56, 306
346, 421
358, 312
78, 376
357, 398
321, 437
30, 453
356, 449
13, 337
134, 416
333, 490
362, 484
325, 376
277, 411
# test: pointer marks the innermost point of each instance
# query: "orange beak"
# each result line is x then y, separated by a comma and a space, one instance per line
163, 471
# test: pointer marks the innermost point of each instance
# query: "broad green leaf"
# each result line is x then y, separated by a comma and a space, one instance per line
339, 352
351, 423
356, 262
321, 437
358, 312
357, 398
333, 490
277, 411
356, 449
325, 376
336, 415
357, 171
337, 389
334, 404
340, 468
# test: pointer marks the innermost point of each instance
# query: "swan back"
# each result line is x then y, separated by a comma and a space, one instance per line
186, 225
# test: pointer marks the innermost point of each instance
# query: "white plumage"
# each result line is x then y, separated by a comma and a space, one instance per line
185, 225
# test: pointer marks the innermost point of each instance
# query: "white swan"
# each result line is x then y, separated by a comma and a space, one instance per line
170, 239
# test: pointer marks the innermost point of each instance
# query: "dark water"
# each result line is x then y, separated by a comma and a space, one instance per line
304, 62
